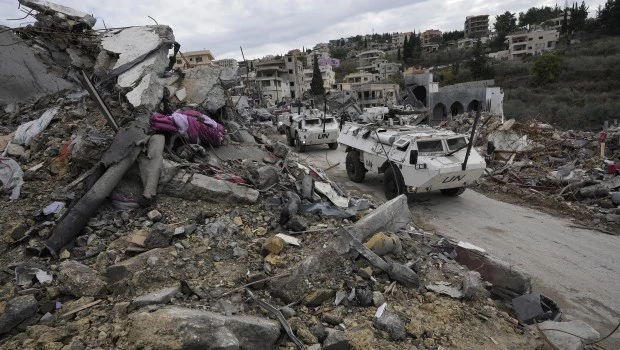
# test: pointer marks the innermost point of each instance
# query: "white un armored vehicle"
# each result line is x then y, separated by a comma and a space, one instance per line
413, 159
309, 127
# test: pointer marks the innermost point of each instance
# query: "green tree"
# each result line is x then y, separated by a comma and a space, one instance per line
406, 50
398, 55
547, 68
316, 85
609, 17
453, 35
578, 17
504, 24
479, 63
536, 16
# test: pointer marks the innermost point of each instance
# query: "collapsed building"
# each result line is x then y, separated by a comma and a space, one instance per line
146, 211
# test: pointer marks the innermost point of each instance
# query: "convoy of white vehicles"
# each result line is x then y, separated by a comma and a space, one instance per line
412, 158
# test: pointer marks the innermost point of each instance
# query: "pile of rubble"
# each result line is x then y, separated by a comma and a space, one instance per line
145, 212
573, 173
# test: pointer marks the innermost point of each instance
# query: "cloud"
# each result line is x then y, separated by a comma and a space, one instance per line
264, 27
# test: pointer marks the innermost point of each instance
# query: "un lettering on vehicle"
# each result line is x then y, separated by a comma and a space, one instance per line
368, 164
453, 178
323, 136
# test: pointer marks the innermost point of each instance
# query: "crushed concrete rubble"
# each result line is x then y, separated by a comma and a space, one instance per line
571, 173
128, 230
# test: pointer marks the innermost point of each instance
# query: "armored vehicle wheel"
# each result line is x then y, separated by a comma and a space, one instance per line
289, 138
453, 192
301, 148
355, 168
393, 182
333, 145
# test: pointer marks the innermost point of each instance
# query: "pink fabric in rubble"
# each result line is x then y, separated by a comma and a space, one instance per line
193, 125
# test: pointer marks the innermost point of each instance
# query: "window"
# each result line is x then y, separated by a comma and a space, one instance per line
191, 59
454, 144
529, 47
179, 61
290, 71
430, 146
290, 59
550, 44
292, 84
540, 38
198, 59
310, 122
266, 83
530, 39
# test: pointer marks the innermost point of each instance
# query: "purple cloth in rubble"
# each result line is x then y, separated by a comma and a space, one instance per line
195, 126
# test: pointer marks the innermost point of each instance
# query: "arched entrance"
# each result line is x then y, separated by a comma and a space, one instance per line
439, 111
473, 106
420, 94
456, 109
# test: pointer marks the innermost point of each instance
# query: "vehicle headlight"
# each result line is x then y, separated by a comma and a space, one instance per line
412, 189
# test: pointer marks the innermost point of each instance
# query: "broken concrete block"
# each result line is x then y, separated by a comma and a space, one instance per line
472, 285
46, 7
265, 176
318, 297
503, 276
181, 94
79, 280
159, 297
177, 327
156, 62
336, 340
377, 299
154, 215
79, 59
16, 311
126, 268
445, 288
22, 74
148, 93
132, 45
280, 150
15, 150
569, 335
392, 324
182, 184
390, 216
363, 296
206, 86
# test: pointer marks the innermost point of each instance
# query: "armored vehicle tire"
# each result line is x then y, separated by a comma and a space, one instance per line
453, 192
393, 182
333, 145
300, 147
355, 168
289, 138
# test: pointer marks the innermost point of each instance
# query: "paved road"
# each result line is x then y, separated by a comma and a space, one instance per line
579, 269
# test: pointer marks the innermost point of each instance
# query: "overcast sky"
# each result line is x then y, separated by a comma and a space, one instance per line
265, 27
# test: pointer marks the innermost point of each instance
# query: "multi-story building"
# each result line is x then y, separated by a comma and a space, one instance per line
193, 59
385, 69
555, 23
531, 43
327, 74
294, 66
271, 78
374, 94
398, 39
360, 77
321, 47
427, 36
430, 48
476, 26
367, 58
469, 42
227, 62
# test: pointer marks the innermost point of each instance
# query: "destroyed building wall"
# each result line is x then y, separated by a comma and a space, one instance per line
452, 101
23, 75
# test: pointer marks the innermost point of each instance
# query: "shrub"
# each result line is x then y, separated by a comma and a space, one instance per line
547, 68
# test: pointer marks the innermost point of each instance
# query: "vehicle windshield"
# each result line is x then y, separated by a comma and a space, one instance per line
430, 146
313, 121
329, 120
454, 144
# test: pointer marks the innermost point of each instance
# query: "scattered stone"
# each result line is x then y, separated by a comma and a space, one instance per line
129, 267
314, 347
318, 297
16, 311
472, 285
332, 318
265, 176
163, 296
79, 280
240, 253
15, 150
305, 335
287, 312
363, 296
340, 296
365, 273
178, 327
382, 244
336, 340
273, 245
445, 289
154, 215
280, 150
570, 334
392, 324
378, 299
